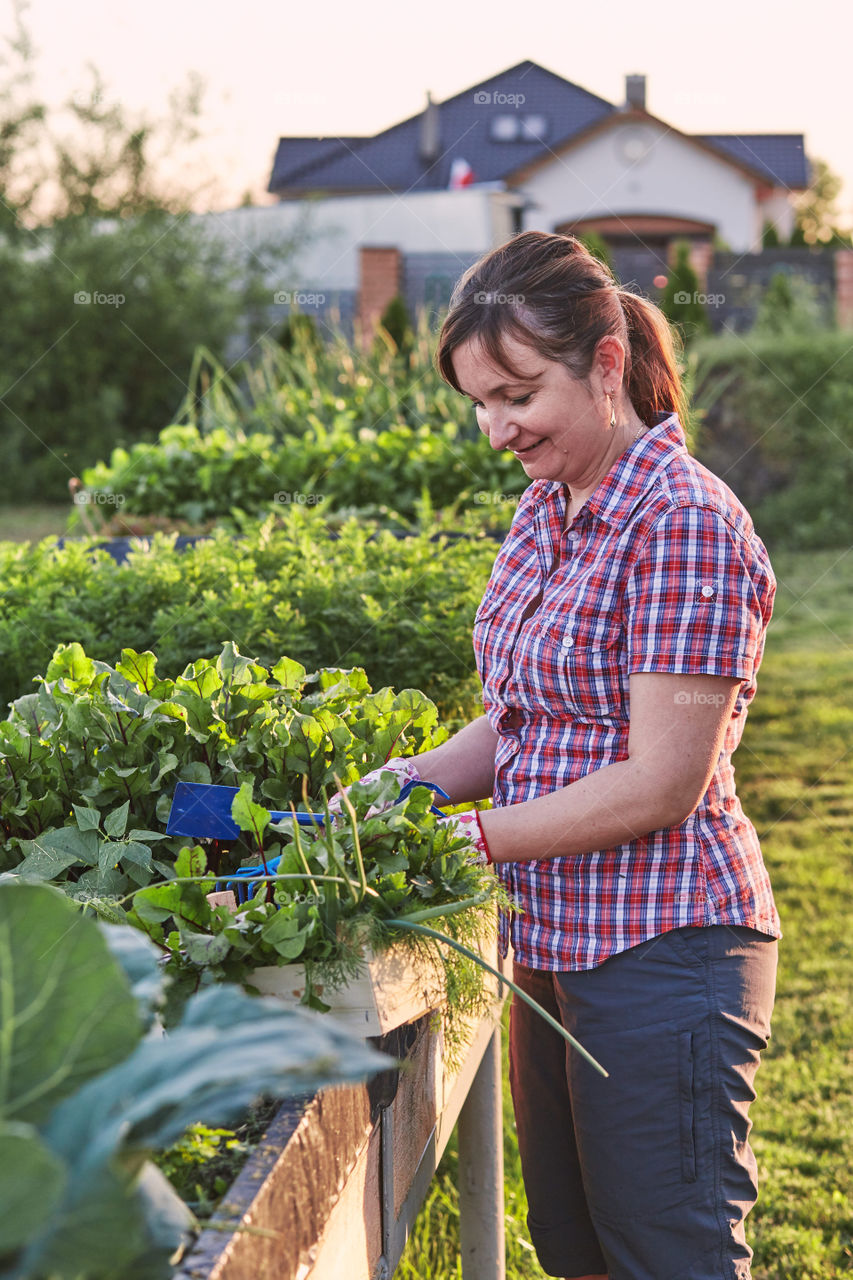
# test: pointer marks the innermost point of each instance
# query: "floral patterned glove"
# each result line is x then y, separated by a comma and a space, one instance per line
406, 770
468, 824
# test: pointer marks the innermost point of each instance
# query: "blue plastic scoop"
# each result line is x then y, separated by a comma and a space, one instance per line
202, 810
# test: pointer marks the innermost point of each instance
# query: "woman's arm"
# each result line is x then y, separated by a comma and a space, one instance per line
464, 766
678, 724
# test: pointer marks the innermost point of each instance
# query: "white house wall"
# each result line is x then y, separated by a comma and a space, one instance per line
673, 178
778, 210
463, 222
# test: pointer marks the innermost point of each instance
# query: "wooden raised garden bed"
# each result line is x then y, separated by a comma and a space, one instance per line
334, 1187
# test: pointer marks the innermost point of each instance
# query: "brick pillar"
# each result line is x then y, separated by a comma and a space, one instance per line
844, 288
380, 279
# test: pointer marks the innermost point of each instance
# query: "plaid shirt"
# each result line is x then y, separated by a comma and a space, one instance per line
659, 571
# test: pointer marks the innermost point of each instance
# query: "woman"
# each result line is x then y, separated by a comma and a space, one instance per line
618, 642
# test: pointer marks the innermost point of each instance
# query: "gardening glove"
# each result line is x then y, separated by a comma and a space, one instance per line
468, 824
406, 770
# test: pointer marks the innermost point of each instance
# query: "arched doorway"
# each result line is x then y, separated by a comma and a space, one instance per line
642, 244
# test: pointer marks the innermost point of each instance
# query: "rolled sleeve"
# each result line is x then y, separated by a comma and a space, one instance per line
698, 598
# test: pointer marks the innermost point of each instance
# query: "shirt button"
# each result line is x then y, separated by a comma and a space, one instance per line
707, 591
567, 642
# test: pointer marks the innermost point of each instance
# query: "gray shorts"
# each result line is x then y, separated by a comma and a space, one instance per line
647, 1175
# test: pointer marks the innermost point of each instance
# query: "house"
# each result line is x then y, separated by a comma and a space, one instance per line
409, 208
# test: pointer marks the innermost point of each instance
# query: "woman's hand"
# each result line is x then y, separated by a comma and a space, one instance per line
468, 824
406, 770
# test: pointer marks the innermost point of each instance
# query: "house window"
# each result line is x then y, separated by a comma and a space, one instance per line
533, 127
504, 128
516, 128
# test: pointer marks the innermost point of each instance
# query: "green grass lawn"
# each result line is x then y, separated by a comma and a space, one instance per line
33, 522
795, 777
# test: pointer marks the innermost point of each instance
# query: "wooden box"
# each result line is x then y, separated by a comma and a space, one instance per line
397, 986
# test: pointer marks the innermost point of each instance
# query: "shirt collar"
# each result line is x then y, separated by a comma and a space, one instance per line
632, 474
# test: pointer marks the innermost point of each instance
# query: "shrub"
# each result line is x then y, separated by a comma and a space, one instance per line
679, 300
402, 609
83, 374
781, 434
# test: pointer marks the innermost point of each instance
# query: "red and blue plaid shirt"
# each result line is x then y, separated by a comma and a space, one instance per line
660, 570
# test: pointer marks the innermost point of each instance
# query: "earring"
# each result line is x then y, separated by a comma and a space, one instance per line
610, 395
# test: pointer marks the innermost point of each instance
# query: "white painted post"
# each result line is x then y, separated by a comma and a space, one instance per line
481, 1171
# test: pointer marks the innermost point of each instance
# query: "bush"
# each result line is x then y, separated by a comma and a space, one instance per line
790, 304
107, 317
193, 477
402, 609
680, 298
781, 434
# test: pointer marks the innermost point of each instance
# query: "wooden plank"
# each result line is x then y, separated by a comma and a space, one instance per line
287, 1189
313, 1190
396, 987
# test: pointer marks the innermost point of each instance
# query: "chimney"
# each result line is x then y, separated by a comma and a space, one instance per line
429, 143
635, 93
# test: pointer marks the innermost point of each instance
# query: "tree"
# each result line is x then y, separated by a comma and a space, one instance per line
109, 283
21, 122
681, 300
817, 210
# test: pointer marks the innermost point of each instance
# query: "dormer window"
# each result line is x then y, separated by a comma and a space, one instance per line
518, 128
533, 128
505, 128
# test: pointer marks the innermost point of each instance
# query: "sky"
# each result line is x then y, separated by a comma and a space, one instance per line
328, 68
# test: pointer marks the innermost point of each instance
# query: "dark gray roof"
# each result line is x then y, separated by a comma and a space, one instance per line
297, 154
391, 160
781, 157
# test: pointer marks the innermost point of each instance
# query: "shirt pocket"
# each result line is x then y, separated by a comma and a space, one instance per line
488, 650
577, 658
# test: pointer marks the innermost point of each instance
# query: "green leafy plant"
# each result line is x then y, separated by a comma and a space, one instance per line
360, 599
85, 1096
90, 764
339, 894
90, 761
197, 478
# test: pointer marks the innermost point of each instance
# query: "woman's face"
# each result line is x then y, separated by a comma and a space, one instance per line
556, 425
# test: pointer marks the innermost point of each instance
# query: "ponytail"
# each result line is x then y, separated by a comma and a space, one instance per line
653, 380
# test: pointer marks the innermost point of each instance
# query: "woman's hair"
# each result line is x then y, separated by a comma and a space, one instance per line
552, 294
